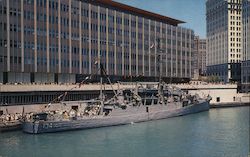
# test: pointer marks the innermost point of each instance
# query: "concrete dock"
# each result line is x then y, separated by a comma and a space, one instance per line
225, 105
223, 95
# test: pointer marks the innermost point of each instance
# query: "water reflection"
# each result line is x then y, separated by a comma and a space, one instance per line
219, 132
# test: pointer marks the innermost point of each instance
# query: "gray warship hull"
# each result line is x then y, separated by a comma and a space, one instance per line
120, 117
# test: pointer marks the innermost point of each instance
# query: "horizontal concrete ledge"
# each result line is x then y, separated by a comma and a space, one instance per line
75, 87
88, 87
229, 104
212, 88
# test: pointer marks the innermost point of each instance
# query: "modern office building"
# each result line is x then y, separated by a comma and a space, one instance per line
245, 68
200, 55
224, 49
61, 40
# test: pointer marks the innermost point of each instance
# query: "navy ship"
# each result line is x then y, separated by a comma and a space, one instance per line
139, 105
122, 109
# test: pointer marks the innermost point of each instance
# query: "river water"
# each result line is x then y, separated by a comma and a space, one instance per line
216, 133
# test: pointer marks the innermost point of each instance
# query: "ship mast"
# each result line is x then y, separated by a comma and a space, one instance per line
159, 56
101, 90
104, 74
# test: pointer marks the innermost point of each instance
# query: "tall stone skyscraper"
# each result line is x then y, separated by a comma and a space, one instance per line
245, 68
224, 33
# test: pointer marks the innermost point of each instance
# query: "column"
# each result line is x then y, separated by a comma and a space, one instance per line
59, 38
22, 36
47, 36
90, 62
115, 46
70, 41
143, 48
123, 73
80, 37
98, 38
181, 55
137, 61
190, 53
160, 51
186, 53
149, 48
35, 34
107, 40
171, 55
155, 41
130, 48
8, 35
176, 52
166, 49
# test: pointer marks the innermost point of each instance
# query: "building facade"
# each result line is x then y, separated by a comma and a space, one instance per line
224, 49
200, 55
61, 40
245, 68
